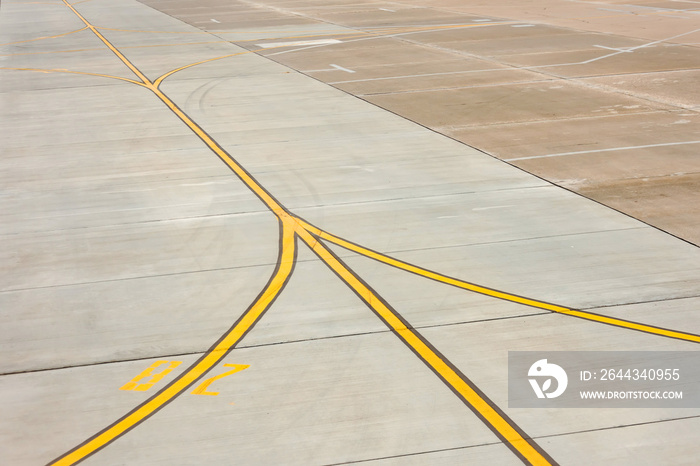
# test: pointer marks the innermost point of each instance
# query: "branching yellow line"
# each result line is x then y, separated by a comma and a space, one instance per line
46, 37
135, 70
40, 70
201, 367
495, 293
500, 425
154, 32
158, 81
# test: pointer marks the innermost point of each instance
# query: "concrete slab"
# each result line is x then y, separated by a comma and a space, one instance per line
508, 103
123, 320
309, 415
659, 201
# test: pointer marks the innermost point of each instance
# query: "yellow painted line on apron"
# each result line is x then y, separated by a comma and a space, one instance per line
492, 417
48, 71
45, 37
249, 181
158, 81
499, 294
210, 359
108, 44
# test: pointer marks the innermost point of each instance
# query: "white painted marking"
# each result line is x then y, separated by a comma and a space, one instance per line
270, 45
612, 48
448, 216
523, 26
390, 11
415, 76
604, 150
648, 44
338, 67
481, 20
215, 21
493, 207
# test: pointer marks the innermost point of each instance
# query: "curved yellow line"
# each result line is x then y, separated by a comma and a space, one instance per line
158, 81
40, 70
491, 416
208, 361
46, 37
495, 293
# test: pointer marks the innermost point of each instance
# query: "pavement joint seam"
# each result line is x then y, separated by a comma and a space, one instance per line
622, 426
266, 345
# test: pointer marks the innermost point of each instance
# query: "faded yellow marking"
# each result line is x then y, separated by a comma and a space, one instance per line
155, 378
158, 81
32, 3
495, 293
45, 37
202, 388
122, 48
468, 394
135, 70
48, 71
209, 360
51, 52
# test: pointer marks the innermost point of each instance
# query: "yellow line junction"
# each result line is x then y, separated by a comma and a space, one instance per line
293, 230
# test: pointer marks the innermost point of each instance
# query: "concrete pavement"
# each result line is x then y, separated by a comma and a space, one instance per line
210, 256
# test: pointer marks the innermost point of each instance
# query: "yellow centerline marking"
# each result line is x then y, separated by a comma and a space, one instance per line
158, 81
210, 359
